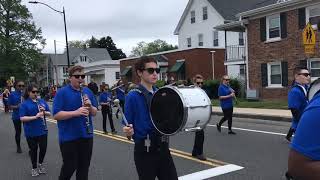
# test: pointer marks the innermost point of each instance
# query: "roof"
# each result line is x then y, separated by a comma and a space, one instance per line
227, 10
94, 54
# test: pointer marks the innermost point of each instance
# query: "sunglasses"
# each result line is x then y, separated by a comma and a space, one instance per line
20, 85
78, 76
305, 74
227, 79
35, 92
152, 70
199, 83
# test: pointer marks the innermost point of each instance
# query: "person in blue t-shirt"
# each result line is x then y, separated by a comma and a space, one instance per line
297, 97
304, 156
32, 114
105, 100
226, 95
14, 101
151, 150
73, 108
121, 94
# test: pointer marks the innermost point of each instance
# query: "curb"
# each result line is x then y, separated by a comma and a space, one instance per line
256, 116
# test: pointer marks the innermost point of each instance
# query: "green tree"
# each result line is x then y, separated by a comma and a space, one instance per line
19, 37
115, 53
77, 44
158, 45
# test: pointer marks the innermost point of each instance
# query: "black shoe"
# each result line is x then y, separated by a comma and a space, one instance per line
19, 151
105, 132
200, 157
218, 127
114, 132
231, 132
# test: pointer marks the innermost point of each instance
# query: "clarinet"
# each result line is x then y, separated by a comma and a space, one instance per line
89, 131
44, 116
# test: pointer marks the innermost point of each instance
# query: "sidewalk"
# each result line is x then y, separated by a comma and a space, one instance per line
255, 113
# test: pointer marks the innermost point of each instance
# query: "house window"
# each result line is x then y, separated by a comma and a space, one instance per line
242, 70
313, 16
274, 74
315, 68
215, 38
241, 39
200, 36
64, 70
205, 13
117, 75
83, 58
193, 17
273, 27
189, 42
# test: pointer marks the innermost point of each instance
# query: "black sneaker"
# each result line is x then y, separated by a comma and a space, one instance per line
231, 132
105, 132
218, 127
19, 151
114, 132
201, 157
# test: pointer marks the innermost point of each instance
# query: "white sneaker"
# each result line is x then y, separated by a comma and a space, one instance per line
42, 169
34, 172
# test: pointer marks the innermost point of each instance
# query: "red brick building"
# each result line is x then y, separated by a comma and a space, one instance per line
181, 64
275, 45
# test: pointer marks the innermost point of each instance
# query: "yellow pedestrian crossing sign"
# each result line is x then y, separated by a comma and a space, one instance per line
309, 39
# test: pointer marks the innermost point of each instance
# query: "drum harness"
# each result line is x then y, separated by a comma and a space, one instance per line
159, 138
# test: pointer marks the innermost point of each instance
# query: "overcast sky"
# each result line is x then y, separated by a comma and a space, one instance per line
126, 21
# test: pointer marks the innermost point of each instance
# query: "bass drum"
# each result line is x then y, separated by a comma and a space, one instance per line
314, 89
174, 109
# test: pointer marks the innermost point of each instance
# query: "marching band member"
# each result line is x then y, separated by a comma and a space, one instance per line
151, 150
121, 93
14, 101
73, 108
32, 114
105, 100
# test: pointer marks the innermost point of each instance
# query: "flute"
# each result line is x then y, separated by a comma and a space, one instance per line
89, 131
44, 115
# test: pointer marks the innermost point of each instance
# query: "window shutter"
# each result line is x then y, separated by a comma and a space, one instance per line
264, 75
284, 69
283, 25
302, 17
303, 63
263, 27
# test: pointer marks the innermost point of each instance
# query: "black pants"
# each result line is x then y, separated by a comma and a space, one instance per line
76, 156
34, 143
290, 133
227, 115
17, 127
107, 111
154, 164
122, 106
198, 143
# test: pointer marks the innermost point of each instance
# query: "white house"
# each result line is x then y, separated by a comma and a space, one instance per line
196, 28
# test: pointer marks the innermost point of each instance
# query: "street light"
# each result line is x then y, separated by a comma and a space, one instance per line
65, 24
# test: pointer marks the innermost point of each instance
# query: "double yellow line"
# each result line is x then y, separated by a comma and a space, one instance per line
175, 152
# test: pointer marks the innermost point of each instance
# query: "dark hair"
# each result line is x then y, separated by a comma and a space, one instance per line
73, 69
198, 76
28, 90
16, 83
298, 69
141, 63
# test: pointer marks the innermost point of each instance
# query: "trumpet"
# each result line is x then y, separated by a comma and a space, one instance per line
89, 131
44, 115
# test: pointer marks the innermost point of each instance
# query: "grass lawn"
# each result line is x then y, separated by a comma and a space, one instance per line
265, 104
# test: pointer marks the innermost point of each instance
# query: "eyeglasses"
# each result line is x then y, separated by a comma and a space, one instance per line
20, 85
199, 83
305, 74
152, 70
78, 76
35, 92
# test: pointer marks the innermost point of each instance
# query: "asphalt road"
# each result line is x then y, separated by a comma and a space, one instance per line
259, 147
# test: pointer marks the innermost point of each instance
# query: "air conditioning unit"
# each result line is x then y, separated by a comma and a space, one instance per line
252, 94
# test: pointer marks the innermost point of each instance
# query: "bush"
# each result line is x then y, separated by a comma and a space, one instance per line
212, 86
160, 83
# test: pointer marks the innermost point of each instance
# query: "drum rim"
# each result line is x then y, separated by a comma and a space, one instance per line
185, 111
314, 82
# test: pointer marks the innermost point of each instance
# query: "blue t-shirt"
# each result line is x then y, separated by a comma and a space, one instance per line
297, 99
105, 97
225, 91
306, 140
15, 98
137, 113
69, 99
120, 93
35, 127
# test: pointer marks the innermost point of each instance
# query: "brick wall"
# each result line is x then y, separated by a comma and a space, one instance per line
289, 49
